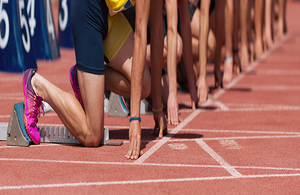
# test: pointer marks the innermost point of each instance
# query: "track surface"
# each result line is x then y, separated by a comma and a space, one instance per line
244, 140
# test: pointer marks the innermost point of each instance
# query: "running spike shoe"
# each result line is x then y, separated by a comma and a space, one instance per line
74, 83
32, 107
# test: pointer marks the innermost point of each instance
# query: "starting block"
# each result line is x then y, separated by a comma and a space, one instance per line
16, 132
116, 106
17, 135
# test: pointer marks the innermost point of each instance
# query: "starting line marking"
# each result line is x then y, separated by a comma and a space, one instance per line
218, 158
143, 181
278, 72
222, 138
165, 139
268, 88
184, 140
144, 164
242, 131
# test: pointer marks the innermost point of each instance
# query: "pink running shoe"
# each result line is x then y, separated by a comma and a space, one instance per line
74, 83
32, 107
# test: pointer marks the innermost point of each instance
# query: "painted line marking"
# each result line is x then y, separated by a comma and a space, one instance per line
144, 164
232, 106
278, 72
218, 158
251, 109
180, 140
269, 88
178, 146
12, 98
222, 138
5, 116
142, 181
11, 94
10, 79
230, 144
258, 105
221, 105
242, 131
284, 108
165, 139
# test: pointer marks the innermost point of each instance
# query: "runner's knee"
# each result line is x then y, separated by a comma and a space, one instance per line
92, 140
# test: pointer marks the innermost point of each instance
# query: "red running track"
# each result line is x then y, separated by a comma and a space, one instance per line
244, 140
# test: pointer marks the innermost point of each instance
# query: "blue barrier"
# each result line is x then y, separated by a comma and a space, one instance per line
65, 37
42, 30
16, 53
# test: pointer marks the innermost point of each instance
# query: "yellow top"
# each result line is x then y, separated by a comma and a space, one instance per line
115, 6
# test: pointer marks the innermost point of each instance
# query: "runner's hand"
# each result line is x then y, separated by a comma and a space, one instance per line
202, 91
173, 110
134, 141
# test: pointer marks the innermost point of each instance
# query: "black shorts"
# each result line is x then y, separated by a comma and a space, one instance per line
89, 28
97, 36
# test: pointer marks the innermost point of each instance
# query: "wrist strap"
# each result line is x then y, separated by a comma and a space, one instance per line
135, 118
228, 59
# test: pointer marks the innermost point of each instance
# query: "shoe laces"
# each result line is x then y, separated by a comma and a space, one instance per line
34, 105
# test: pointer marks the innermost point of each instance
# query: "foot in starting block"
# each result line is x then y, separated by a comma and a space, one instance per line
17, 135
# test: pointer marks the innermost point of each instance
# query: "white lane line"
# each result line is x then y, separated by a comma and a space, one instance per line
242, 131
252, 109
144, 164
222, 106
4, 116
181, 140
259, 105
219, 159
222, 138
11, 79
269, 87
283, 108
11, 94
246, 107
12, 98
253, 137
167, 138
278, 72
40, 145
57, 185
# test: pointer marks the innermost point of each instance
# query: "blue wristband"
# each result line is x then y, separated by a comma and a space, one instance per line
228, 58
135, 118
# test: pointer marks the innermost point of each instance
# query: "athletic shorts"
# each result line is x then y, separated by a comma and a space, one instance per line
97, 36
192, 8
